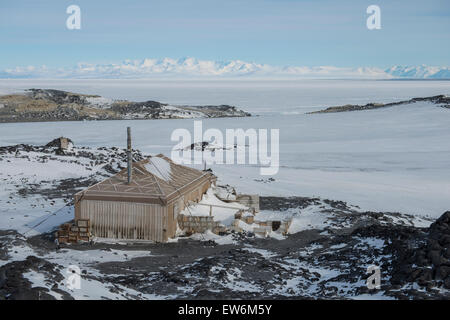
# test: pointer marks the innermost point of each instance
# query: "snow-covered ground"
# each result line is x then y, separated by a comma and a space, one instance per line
390, 159
292, 273
221, 211
37, 186
393, 159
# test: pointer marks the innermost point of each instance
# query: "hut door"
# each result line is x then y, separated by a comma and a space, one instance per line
276, 225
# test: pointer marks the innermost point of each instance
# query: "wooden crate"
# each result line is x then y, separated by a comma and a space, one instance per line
63, 239
264, 223
261, 231
249, 219
83, 223
74, 232
73, 239
62, 233
66, 226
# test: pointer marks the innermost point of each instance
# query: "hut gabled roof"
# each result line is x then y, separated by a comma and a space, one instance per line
155, 180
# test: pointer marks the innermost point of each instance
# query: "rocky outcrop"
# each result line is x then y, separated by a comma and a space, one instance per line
15, 286
55, 105
436, 254
426, 259
441, 100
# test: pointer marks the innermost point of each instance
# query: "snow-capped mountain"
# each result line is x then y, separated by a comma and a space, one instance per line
419, 72
192, 67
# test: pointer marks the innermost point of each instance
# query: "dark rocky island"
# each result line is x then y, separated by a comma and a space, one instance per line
440, 100
36, 105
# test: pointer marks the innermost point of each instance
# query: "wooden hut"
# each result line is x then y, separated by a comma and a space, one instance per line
147, 207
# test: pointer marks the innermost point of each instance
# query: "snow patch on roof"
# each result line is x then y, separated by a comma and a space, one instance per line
159, 167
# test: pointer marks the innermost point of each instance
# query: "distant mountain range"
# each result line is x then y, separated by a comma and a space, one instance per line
419, 72
191, 67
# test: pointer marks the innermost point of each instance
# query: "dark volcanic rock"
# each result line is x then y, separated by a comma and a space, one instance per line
282, 203
58, 96
428, 263
440, 100
57, 105
149, 107
56, 143
13, 285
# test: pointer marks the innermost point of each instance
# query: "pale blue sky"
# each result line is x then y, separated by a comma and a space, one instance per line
277, 32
